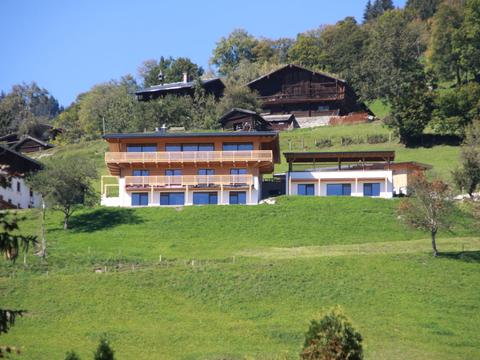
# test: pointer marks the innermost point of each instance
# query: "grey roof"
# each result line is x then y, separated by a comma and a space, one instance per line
174, 86
281, 117
187, 135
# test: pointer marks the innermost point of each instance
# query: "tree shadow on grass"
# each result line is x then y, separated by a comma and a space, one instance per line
102, 219
466, 256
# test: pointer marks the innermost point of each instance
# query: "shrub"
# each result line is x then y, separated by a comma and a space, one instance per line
348, 140
323, 142
104, 351
377, 138
72, 355
332, 338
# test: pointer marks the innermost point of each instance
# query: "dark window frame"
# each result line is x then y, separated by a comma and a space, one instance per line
237, 146
142, 196
309, 189
211, 195
344, 187
197, 146
143, 172
238, 171
168, 195
236, 195
372, 192
167, 171
142, 147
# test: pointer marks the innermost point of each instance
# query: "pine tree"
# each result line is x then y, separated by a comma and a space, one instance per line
367, 14
387, 5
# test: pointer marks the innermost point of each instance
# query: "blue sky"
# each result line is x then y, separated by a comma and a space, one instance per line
68, 46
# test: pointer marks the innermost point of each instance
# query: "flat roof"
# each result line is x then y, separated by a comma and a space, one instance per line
187, 135
335, 156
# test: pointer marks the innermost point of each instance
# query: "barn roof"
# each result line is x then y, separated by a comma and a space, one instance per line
176, 86
293, 66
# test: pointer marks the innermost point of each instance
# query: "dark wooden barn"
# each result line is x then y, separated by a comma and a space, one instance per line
296, 90
28, 144
214, 86
243, 120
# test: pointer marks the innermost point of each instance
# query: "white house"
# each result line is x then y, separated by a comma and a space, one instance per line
360, 173
17, 194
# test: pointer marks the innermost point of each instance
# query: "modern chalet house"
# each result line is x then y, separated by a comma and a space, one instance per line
292, 89
174, 169
17, 195
213, 86
357, 173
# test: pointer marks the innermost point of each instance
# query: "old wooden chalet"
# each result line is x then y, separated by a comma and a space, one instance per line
176, 169
248, 120
214, 86
295, 90
17, 194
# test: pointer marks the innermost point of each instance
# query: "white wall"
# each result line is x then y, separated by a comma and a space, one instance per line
124, 199
356, 178
22, 198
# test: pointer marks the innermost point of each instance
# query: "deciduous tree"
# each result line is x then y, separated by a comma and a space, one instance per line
65, 184
428, 207
467, 176
237, 46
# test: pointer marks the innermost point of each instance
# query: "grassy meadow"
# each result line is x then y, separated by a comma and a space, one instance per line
242, 282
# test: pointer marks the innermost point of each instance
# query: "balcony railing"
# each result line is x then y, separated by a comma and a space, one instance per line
189, 156
188, 180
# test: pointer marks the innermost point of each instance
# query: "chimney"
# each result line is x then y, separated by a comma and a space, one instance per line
185, 77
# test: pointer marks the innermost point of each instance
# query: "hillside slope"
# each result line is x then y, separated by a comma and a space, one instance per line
242, 281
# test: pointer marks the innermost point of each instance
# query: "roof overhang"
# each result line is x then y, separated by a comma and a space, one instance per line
344, 156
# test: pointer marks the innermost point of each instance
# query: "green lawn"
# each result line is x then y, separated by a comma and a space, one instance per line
241, 282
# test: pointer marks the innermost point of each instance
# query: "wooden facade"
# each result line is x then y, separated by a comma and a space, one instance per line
247, 120
305, 93
189, 163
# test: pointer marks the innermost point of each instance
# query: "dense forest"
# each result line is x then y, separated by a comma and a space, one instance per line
422, 61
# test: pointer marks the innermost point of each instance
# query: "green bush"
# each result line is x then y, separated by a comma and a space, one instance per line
332, 338
72, 355
377, 139
323, 142
104, 351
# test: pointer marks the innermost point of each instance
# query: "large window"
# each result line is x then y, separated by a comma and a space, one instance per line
306, 189
339, 189
141, 148
206, 171
238, 197
205, 198
139, 199
371, 189
189, 147
172, 199
173, 172
237, 146
238, 171
139, 172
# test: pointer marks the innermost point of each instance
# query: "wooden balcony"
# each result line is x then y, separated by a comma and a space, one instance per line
181, 157
135, 182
